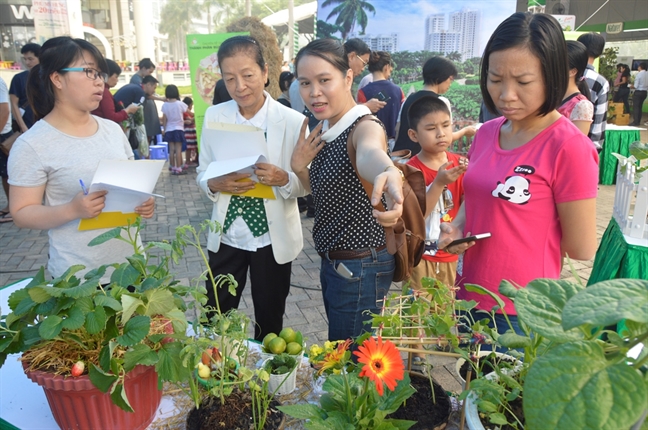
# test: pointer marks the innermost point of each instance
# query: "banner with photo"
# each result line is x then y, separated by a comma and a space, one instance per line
415, 31
202, 52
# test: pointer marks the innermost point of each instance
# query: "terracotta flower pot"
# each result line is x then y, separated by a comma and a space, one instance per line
77, 404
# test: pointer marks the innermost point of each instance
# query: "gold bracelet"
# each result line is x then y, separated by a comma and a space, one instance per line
399, 171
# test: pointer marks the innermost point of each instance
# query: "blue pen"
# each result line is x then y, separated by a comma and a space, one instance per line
83, 187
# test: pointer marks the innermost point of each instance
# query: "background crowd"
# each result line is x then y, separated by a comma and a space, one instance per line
325, 137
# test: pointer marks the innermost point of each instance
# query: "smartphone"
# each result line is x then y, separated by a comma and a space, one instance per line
344, 271
382, 97
468, 239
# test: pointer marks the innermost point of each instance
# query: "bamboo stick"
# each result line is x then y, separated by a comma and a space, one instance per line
428, 352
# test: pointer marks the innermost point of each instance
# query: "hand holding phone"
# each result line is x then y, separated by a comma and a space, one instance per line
382, 97
468, 239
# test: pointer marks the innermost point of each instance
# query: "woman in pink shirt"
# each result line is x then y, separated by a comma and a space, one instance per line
533, 176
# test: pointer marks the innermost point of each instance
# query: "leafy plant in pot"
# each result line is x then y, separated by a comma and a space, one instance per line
282, 370
131, 328
577, 373
354, 394
228, 397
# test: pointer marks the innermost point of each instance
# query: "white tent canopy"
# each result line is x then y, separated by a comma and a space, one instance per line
308, 10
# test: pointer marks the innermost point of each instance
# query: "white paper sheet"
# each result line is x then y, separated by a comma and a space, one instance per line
239, 165
129, 182
229, 141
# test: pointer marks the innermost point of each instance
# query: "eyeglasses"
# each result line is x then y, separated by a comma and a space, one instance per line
90, 73
364, 63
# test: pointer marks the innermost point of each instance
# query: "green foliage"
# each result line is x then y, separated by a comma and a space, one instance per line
607, 64
365, 409
348, 13
280, 364
123, 319
572, 377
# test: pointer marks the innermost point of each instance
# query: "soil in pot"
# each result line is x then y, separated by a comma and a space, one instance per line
235, 415
487, 365
420, 407
516, 407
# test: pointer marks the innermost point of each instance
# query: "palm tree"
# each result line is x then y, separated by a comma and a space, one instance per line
175, 21
349, 13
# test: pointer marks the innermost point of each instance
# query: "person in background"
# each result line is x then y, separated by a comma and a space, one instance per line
190, 133
220, 93
173, 122
145, 68
151, 115
381, 67
599, 87
366, 80
641, 87
438, 75
47, 164
20, 110
106, 107
262, 236
522, 168
349, 234
285, 79
623, 93
576, 104
5, 133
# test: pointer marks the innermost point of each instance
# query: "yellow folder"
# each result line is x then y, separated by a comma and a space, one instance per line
107, 220
260, 190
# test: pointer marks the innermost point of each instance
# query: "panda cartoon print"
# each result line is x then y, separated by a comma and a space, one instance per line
516, 188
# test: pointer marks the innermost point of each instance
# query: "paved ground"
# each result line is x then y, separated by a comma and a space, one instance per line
23, 252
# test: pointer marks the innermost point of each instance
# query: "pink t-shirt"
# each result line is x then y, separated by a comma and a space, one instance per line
513, 195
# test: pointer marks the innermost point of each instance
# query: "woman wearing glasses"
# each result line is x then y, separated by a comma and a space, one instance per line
63, 148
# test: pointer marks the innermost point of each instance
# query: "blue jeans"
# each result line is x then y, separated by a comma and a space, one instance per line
348, 301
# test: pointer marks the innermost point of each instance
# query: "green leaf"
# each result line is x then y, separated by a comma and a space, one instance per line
16, 297
74, 319
25, 305
135, 330
540, 306
303, 411
159, 302
162, 245
483, 291
105, 355
105, 237
513, 340
50, 327
608, 302
497, 418
40, 294
169, 365
507, 289
118, 396
124, 276
487, 406
111, 331
139, 354
138, 262
129, 305
95, 320
150, 284
107, 301
86, 289
46, 308
639, 150
574, 386
101, 379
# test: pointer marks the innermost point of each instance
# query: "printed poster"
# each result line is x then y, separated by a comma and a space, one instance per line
204, 70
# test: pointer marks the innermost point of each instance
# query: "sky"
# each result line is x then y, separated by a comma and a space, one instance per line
407, 18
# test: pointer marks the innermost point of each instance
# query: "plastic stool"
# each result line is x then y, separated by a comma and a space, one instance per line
158, 152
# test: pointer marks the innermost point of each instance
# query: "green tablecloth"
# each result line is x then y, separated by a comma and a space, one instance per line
616, 259
615, 141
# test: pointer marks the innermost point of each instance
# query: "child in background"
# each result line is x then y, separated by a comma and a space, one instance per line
173, 123
191, 159
431, 127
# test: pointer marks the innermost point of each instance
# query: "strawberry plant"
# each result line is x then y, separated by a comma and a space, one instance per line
138, 318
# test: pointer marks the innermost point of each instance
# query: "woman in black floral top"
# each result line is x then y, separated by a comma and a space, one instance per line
356, 268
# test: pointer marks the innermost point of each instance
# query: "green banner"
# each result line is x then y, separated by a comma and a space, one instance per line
203, 66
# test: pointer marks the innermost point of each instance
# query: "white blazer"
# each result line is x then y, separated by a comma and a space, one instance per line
284, 224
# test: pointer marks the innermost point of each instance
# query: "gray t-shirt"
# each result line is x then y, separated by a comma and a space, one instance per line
45, 156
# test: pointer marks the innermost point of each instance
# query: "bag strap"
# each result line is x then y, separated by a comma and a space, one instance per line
390, 239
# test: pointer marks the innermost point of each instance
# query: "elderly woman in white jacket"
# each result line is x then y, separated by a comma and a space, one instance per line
262, 235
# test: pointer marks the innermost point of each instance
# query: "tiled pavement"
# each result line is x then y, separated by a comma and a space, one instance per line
22, 252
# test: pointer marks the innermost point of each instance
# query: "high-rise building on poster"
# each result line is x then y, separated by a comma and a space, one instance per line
380, 42
461, 35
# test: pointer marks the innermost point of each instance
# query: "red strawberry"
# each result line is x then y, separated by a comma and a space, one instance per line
77, 369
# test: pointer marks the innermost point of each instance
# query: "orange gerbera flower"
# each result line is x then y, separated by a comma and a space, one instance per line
335, 359
382, 363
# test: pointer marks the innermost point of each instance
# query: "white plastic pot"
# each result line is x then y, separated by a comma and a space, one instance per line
472, 414
282, 384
